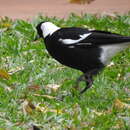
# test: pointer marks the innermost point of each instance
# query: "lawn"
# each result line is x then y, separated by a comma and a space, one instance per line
36, 90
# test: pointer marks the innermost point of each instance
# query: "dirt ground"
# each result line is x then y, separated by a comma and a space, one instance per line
59, 8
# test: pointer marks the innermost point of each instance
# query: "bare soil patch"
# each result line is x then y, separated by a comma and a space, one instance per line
59, 8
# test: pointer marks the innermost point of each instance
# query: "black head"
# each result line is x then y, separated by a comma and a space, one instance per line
39, 30
45, 29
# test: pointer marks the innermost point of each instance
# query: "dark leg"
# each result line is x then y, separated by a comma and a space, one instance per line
89, 82
88, 78
79, 79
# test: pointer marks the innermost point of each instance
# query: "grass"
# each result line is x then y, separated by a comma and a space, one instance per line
26, 71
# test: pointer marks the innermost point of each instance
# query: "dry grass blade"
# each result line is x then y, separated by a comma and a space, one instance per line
34, 87
17, 69
46, 96
46, 109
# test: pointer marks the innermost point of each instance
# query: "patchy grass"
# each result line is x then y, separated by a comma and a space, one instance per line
32, 83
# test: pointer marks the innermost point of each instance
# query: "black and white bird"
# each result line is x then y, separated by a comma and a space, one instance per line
86, 50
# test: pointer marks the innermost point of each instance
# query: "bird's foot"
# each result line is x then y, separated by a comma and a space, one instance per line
89, 83
81, 78
87, 78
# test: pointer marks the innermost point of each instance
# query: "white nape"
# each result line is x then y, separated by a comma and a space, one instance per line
71, 41
108, 51
48, 28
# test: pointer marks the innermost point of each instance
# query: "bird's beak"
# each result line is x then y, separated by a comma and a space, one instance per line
36, 37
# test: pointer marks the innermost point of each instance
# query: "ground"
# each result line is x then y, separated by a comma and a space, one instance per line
60, 8
36, 90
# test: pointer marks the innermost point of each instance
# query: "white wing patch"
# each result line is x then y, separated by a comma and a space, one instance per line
71, 41
108, 51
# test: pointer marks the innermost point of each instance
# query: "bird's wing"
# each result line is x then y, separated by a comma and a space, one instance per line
80, 38
74, 41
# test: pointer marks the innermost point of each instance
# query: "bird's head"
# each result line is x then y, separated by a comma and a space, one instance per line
46, 28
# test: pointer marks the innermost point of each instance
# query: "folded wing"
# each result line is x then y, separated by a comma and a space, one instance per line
78, 37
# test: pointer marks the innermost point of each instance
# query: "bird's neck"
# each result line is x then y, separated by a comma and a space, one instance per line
49, 30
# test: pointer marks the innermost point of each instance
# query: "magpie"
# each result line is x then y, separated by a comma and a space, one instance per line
80, 48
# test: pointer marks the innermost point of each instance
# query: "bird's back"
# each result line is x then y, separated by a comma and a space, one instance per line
86, 53
78, 58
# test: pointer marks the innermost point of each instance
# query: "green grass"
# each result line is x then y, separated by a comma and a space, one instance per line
29, 64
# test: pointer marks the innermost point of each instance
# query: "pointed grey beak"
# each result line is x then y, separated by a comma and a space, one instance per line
37, 37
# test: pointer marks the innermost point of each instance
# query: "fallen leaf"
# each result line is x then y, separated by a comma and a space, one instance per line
119, 105
4, 74
27, 107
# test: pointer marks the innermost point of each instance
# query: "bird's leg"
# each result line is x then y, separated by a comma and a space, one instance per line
89, 79
79, 79
89, 82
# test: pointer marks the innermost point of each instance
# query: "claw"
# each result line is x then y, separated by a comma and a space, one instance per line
88, 78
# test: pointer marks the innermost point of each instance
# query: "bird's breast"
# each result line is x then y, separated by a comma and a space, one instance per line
78, 58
